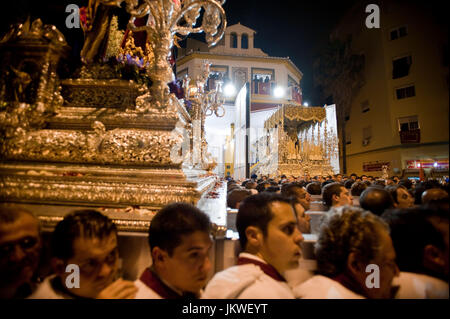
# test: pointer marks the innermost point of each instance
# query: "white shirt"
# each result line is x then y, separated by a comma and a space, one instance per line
419, 286
246, 282
144, 291
321, 287
46, 291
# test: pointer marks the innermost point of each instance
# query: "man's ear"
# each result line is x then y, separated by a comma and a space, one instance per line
334, 199
58, 265
433, 257
254, 236
159, 255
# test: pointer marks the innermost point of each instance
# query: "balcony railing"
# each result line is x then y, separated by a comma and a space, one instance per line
262, 88
411, 136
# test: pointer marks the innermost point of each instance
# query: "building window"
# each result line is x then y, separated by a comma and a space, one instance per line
233, 40
365, 107
262, 81
408, 123
409, 129
348, 138
401, 67
244, 41
405, 92
367, 135
398, 32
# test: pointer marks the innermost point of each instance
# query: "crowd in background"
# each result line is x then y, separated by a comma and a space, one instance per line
377, 238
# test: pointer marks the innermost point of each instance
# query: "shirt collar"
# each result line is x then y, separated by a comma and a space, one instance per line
162, 288
269, 270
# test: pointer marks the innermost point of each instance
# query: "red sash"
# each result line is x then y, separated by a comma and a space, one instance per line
266, 268
153, 282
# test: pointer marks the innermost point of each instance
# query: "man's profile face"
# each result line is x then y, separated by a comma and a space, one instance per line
344, 198
303, 197
98, 260
20, 246
281, 247
303, 219
188, 267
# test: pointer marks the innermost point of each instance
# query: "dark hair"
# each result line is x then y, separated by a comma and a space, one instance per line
245, 182
81, 223
329, 190
392, 189
376, 200
288, 190
174, 221
379, 182
251, 185
406, 182
237, 195
348, 183
272, 189
261, 186
357, 188
411, 231
325, 183
255, 211
345, 230
314, 188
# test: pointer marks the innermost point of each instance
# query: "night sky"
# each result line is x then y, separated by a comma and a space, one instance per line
286, 28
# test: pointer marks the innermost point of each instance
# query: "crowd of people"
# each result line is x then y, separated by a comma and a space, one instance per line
378, 238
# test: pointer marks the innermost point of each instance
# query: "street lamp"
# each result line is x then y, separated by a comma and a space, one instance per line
278, 92
229, 90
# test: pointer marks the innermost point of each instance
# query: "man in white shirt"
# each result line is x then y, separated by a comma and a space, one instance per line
270, 238
180, 241
336, 195
85, 243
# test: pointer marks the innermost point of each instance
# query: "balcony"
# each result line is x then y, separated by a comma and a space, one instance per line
410, 136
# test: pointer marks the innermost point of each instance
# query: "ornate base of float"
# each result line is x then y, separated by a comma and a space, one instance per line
297, 169
117, 156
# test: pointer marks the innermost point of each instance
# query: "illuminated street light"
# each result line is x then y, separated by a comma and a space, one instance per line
229, 89
305, 104
278, 92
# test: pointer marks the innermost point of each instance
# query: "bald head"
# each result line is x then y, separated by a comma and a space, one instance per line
434, 194
376, 200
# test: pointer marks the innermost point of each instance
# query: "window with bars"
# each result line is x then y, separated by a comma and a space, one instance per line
348, 138
405, 92
408, 123
409, 129
398, 32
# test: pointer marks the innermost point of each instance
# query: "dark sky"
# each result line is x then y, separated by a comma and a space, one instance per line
284, 28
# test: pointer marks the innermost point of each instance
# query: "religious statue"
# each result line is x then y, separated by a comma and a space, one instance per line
20, 82
96, 29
